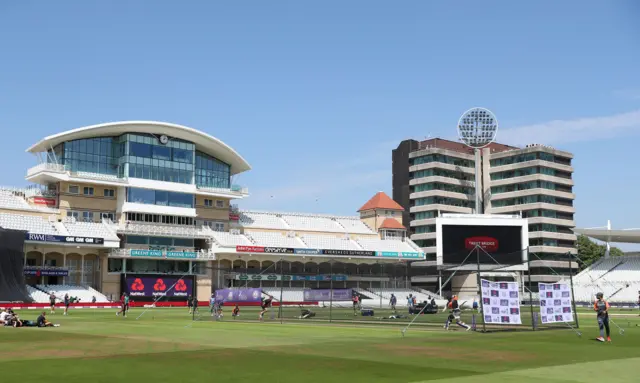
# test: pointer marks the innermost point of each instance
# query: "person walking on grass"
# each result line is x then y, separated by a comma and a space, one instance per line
601, 307
66, 304
212, 304
392, 302
52, 302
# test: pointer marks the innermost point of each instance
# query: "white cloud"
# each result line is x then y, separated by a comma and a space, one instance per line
566, 131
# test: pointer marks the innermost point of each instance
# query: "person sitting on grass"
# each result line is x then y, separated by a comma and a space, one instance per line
3, 317
43, 322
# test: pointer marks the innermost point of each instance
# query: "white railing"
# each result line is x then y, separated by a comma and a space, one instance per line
232, 190
97, 176
46, 167
163, 229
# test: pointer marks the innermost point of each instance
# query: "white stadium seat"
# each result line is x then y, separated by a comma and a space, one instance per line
316, 241
274, 239
85, 294
90, 229
385, 245
32, 224
618, 278
225, 239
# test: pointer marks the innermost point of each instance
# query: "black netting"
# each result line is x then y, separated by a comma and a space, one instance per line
12, 284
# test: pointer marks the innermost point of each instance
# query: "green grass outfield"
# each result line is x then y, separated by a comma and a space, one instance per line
164, 345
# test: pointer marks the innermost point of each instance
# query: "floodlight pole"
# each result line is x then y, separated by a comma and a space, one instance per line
573, 299
533, 322
478, 181
484, 325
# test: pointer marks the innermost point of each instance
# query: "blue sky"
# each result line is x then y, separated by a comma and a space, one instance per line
316, 94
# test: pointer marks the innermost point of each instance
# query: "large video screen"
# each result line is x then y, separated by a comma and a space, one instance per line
502, 243
158, 286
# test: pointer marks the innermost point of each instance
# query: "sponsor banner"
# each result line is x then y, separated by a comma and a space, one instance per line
355, 253
63, 239
182, 254
555, 303
395, 254
46, 272
146, 253
325, 295
250, 249
278, 250
320, 277
262, 277
158, 286
278, 277
234, 217
44, 201
307, 251
488, 244
239, 295
500, 302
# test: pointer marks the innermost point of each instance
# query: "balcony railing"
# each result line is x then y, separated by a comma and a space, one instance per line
163, 229
46, 167
235, 189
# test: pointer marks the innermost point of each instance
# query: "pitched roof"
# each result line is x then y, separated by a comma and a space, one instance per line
381, 201
391, 223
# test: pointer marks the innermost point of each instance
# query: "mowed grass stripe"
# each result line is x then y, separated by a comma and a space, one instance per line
182, 350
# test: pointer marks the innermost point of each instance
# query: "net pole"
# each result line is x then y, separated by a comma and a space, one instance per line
573, 299
533, 323
281, 309
484, 325
330, 290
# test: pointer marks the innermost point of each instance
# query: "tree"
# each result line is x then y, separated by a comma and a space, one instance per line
589, 251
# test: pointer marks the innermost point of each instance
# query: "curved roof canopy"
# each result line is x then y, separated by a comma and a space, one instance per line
204, 142
616, 236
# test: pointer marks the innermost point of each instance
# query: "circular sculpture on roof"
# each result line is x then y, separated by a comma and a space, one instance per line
477, 127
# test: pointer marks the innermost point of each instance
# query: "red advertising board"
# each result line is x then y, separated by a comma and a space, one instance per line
487, 243
250, 249
44, 201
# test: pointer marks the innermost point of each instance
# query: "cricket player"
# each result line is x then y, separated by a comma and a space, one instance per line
212, 304
601, 307
266, 304
454, 314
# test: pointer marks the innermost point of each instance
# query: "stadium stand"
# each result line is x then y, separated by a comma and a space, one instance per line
37, 295
225, 239
303, 222
354, 225
384, 245
262, 220
275, 239
317, 241
89, 229
312, 223
85, 294
618, 278
14, 199
32, 224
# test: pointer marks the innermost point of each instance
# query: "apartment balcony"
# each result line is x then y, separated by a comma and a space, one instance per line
544, 278
528, 164
535, 263
423, 222
442, 193
440, 207
552, 235
443, 180
533, 177
530, 192
530, 206
552, 221
418, 236
442, 165
552, 250
433, 150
